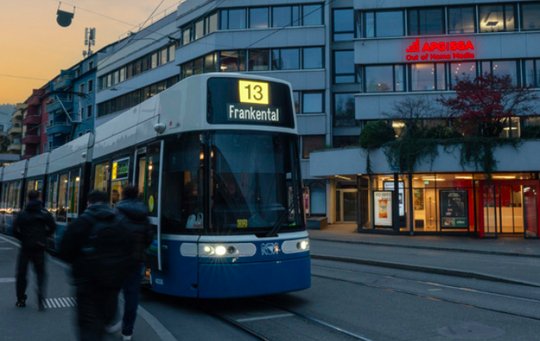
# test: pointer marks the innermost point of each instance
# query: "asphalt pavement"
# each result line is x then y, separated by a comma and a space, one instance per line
505, 259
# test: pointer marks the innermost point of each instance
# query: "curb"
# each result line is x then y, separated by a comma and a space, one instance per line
484, 252
418, 268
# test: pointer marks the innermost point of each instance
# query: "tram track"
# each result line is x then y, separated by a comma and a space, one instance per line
268, 320
462, 289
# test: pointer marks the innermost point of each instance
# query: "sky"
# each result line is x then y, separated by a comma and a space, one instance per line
34, 48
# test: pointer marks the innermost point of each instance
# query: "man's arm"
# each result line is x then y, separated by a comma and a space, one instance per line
73, 239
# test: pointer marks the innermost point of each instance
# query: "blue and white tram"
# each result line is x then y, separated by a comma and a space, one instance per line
216, 160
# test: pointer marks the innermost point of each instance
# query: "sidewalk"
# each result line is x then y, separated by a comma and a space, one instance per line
511, 246
507, 260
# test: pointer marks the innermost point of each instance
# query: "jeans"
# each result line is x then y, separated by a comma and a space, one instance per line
96, 308
37, 257
131, 290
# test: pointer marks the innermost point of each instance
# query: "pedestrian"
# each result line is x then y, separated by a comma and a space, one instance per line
32, 227
134, 217
98, 248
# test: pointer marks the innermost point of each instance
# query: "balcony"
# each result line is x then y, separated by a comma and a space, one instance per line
15, 131
31, 139
14, 148
60, 128
56, 105
32, 119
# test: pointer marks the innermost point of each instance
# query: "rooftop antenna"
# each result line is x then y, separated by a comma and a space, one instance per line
89, 40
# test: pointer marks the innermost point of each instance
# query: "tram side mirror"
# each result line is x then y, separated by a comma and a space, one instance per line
159, 128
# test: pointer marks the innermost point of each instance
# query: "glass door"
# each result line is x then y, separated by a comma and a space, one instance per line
489, 216
346, 205
530, 210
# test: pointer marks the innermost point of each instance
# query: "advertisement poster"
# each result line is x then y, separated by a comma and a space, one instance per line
383, 208
454, 212
389, 186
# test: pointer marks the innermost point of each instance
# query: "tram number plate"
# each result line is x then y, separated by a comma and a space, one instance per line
253, 92
241, 223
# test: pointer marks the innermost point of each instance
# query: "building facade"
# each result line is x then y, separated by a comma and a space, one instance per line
34, 138
15, 131
408, 52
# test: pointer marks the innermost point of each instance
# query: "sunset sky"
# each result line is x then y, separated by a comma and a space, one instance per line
33, 47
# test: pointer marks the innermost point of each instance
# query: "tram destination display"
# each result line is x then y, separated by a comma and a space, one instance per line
454, 213
246, 101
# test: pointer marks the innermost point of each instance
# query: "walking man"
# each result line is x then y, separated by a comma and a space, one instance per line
99, 250
32, 227
134, 217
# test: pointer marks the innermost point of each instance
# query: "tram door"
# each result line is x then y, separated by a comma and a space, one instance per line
147, 177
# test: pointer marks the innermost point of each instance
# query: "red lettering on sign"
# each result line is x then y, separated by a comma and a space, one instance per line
440, 50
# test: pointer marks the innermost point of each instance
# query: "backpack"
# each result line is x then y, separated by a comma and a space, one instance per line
107, 253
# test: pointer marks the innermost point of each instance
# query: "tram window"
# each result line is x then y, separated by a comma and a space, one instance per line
101, 177
52, 193
61, 213
119, 178
74, 183
183, 173
152, 184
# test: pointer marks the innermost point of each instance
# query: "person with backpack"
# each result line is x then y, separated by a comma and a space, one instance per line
32, 227
99, 250
134, 217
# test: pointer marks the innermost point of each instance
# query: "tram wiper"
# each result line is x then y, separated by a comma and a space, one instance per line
277, 225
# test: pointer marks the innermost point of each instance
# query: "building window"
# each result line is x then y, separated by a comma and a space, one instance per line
343, 24
311, 143
312, 102
530, 16
463, 70
501, 69
186, 35
233, 19
426, 21
382, 24
90, 85
344, 110
313, 15
89, 111
312, 58
497, 18
81, 88
210, 62
211, 23
230, 61
427, 77
344, 70
532, 73
259, 60
384, 78
199, 29
461, 20
344, 141
258, 17
281, 16
285, 59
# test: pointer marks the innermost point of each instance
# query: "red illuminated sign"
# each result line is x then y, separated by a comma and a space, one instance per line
439, 50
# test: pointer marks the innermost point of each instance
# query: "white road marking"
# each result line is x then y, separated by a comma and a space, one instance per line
267, 317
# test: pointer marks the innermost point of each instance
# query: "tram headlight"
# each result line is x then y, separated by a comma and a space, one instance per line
208, 250
220, 250
303, 245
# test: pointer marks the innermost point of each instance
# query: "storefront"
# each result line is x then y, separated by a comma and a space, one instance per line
459, 203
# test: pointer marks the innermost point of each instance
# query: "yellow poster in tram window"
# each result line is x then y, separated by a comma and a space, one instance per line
242, 223
253, 92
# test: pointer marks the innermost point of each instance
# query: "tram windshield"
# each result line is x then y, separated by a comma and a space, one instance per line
231, 182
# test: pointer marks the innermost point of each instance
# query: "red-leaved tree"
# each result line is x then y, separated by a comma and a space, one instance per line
484, 105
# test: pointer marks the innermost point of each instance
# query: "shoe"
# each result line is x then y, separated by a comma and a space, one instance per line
126, 337
114, 328
20, 303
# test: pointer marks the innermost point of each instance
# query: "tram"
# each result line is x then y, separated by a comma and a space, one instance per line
216, 160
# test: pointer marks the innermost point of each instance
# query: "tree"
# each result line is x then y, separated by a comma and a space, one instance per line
483, 106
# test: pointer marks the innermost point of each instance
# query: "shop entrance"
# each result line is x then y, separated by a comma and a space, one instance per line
507, 207
346, 205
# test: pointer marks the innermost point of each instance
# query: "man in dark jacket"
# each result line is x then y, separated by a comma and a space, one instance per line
32, 227
134, 216
96, 245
